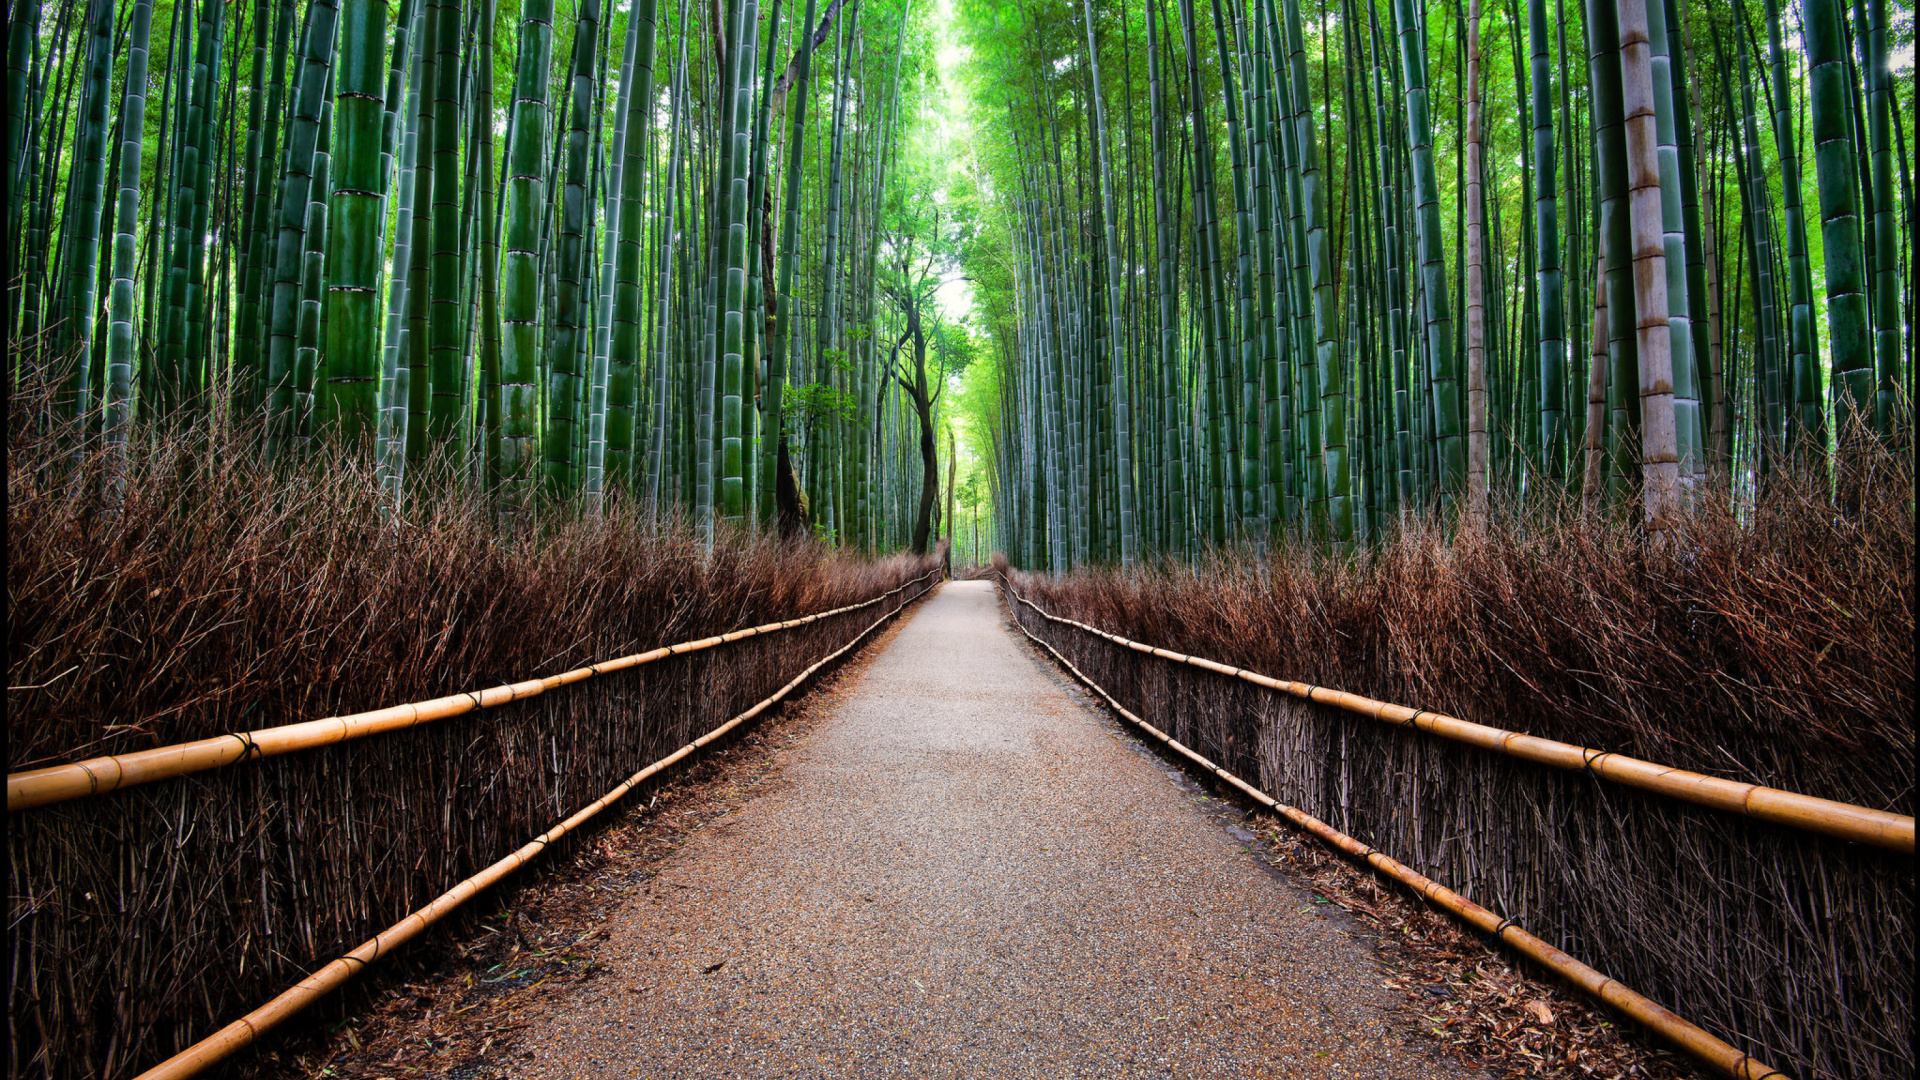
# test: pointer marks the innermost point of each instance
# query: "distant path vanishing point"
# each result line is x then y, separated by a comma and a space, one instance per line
970, 872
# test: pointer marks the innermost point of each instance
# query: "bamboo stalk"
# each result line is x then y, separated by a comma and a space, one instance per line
1689, 1037
242, 1032
96, 776
1844, 821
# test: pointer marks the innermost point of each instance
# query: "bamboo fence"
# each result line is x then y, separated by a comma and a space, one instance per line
1689, 1037
144, 921
1789, 947
242, 1032
96, 776
1843, 821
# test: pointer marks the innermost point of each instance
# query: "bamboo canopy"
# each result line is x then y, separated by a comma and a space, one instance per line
1702, 1045
96, 776
242, 1032
1843, 821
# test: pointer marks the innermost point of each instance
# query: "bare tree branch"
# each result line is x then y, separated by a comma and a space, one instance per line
792, 72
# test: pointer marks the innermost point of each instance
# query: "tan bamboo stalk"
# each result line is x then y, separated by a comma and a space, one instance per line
1591, 491
1844, 821
1688, 1037
1476, 289
1659, 433
96, 776
221, 1044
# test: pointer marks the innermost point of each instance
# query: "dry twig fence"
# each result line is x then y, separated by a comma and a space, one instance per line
1822, 817
330, 813
97, 776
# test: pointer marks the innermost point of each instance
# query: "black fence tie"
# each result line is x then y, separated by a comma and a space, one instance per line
1588, 757
1494, 935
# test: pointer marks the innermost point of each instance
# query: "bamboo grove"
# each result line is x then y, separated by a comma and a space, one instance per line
1275, 269
644, 247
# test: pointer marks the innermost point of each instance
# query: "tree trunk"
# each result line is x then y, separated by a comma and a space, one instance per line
795, 516
929, 459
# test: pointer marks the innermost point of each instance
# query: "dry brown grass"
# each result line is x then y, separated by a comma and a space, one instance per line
225, 594
1776, 647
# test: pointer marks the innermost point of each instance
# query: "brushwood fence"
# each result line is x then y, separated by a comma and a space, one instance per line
1792, 946
142, 920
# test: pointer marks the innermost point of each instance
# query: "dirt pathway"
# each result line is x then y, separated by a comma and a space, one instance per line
968, 872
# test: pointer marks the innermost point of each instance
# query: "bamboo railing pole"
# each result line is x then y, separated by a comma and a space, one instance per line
95, 776
237, 1035
1844, 821
1703, 1045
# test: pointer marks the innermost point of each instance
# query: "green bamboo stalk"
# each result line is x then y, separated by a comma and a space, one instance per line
176, 359
258, 283
1807, 421
1442, 363
1616, 246
308, 360
828, 343
625, 349
759, 302
1167, 356
780, 342
419, 292
603, 410
199, 354
316, 58
489, 268
247, 357
1275, 363
88, 188
1329, 364
45, 150
1697, 400
564, 376
738, 101
23, 42
520, 276
446, 400
1546, 217
659, 465
1887, 320
1849, 326
390, 457
120, 333
1123, 421
1244, 437
1214, 315
356, 217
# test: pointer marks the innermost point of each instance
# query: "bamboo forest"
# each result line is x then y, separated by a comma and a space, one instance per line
960, 537
1233, 275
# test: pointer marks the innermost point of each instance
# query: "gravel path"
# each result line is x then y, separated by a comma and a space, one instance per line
970, 872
